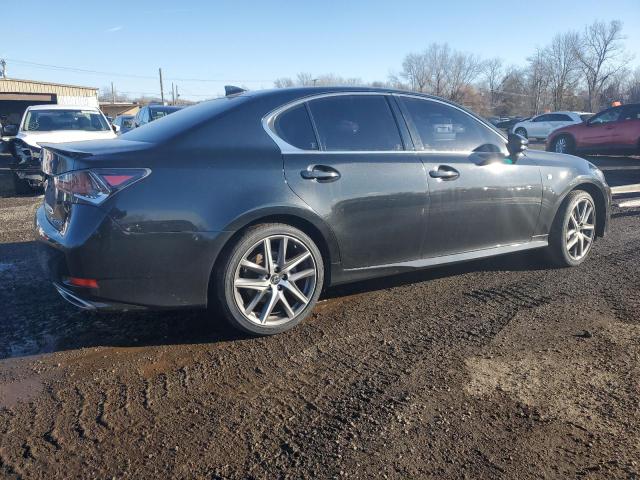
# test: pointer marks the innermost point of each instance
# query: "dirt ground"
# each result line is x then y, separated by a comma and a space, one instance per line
494, 369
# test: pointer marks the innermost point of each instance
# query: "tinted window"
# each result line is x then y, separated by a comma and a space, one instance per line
294, 127
585, 116
445, 128
542, 118
183, 121
559, 117
607, 116
632, 112
355, 122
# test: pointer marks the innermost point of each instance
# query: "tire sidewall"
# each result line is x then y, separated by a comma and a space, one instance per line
225, 277
570, 203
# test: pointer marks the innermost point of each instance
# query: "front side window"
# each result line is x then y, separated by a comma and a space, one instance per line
55, 120
355, 123
294, 127
607, 116
443, 128
631, 112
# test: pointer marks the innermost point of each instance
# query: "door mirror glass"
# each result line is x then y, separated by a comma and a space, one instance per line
516, 144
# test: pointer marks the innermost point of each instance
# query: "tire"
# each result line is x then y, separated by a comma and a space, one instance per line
245, 294
561, 252
563, 144
522, 132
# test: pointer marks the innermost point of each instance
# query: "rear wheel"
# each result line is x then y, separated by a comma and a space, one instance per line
522, 132
563, 144
573, 231
270, 279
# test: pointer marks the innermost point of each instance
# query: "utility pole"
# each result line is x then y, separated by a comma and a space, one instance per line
177, 94
161, 86
3, 67
113, 94
173, 94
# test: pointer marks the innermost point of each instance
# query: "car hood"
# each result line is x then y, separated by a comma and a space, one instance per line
35, 139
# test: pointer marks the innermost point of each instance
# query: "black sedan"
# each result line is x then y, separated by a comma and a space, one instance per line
259, 200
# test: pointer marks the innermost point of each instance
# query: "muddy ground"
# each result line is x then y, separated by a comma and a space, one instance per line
495, 369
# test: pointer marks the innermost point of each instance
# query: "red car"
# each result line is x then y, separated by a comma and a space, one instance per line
615, 130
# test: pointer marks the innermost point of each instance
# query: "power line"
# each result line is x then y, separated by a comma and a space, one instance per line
129, 75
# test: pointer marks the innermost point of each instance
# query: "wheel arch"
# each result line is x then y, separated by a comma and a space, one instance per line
299, 218
599, 199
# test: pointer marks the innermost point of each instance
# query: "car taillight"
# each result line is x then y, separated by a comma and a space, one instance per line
95, 186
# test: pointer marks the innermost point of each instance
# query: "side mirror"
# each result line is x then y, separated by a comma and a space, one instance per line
116, 128
516, 144
10, 131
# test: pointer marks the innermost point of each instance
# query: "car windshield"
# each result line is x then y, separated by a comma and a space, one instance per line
53, 120
585, 116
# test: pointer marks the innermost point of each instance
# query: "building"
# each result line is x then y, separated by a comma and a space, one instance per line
113, 109
16, 95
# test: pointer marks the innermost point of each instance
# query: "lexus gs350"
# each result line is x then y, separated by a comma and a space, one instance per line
259, 200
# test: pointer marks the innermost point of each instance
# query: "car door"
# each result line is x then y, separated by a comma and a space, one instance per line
539, 126
629, 128
352, 169
479, 197
558, 120
601, 130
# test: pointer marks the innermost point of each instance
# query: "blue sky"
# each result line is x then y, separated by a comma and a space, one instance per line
252, 43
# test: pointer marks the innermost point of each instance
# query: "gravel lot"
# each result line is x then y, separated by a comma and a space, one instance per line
494, 369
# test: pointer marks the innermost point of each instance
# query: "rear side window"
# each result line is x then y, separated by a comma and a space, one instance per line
632, 112
294, 127
443, 128
560, 117
355, 123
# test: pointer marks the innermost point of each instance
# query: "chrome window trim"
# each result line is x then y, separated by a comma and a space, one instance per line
285, 148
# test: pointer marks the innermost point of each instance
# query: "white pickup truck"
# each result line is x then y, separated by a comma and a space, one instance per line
52, 124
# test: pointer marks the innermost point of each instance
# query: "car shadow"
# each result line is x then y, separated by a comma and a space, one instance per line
36, 320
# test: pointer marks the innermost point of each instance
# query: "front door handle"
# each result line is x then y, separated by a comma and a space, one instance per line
320, 173
444, 172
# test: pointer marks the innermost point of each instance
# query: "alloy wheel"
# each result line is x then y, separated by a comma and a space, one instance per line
275, 280
580, 229
561, 145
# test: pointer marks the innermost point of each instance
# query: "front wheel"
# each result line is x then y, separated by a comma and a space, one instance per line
270, 279
573, 231
563, 144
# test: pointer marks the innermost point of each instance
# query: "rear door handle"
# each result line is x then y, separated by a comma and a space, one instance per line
444, 172
320, 173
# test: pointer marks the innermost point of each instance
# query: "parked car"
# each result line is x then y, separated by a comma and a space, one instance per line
52, 124
149, 113
259, 200
614, 130
124, 123
541, 126
508, 123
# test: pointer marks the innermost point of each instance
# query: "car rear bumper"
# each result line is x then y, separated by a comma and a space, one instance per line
133, 271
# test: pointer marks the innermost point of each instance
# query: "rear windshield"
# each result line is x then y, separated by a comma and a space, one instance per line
157, 113
54, 120
183, 120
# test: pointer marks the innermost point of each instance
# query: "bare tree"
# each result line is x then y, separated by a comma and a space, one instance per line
415, 70
562, 67
601, 53
283, 82
106, 95
493, 78
537, 81
441, 71
632, 90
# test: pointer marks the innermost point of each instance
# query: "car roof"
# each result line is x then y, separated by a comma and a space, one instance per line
62, 107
